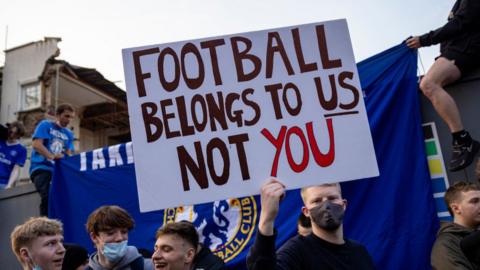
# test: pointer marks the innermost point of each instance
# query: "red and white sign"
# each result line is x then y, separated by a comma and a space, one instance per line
213, 118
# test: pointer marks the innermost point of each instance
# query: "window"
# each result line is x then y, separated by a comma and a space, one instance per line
31, 96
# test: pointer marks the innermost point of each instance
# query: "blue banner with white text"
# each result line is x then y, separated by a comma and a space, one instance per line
393, 215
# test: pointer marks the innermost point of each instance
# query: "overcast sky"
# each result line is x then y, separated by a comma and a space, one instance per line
94, 32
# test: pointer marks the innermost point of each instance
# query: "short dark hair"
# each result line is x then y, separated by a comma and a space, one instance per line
185, 230
304, 221
75, 255
146, 253
108, 217
64, 107
454, 192
20, 127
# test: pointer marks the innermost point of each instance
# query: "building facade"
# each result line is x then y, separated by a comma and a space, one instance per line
34, 82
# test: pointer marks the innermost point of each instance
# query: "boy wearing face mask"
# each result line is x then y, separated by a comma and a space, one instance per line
38, 244
325, 248
108, 227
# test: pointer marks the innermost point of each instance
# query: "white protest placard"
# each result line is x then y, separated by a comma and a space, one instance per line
213, 118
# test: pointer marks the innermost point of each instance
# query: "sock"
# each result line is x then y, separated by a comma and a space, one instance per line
461, 137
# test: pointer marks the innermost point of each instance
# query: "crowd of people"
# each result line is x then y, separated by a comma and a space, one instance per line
320, 243
38, 244
51, 140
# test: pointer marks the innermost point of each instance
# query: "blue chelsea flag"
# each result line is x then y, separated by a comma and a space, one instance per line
393, 215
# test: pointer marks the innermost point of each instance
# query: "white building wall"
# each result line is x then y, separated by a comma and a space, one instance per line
23, 64
90, 140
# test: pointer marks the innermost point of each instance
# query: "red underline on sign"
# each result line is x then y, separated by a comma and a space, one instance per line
340, 113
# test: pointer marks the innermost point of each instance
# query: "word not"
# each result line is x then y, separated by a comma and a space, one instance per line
198, 168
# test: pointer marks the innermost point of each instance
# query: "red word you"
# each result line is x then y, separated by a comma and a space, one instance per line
307, 142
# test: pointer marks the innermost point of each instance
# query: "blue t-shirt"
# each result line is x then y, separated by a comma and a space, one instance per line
55, 138
10, 155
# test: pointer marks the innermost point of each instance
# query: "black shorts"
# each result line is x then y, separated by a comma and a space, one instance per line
464, 62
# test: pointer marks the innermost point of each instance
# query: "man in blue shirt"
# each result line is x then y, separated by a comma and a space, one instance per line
12, 154
51, 140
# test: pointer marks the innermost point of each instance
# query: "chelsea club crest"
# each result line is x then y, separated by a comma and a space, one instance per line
225, 226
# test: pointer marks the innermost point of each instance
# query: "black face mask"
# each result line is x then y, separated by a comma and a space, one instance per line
327, 215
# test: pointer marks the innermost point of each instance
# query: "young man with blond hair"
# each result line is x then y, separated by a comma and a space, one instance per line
38, 244
324, 248
463, 202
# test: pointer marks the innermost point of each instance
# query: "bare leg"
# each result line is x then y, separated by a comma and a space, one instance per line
443, 72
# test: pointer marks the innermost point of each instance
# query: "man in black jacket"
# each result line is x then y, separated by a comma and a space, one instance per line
325, 248
459, 42
206, 260
456, 247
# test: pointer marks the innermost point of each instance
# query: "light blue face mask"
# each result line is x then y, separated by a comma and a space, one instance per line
37, 268
115, 251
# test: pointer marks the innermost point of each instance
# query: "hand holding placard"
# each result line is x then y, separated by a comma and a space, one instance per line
209, 116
